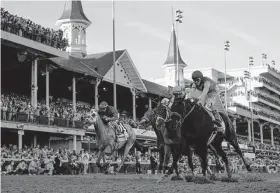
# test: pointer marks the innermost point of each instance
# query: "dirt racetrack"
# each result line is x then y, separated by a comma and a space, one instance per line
127, 183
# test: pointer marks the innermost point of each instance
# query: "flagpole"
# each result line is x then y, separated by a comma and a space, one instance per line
251, 63
177, 65
114, 58
226, 49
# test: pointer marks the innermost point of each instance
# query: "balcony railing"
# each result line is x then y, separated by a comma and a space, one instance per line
258, 112
268, 99
33, 34
267, 83
40, 120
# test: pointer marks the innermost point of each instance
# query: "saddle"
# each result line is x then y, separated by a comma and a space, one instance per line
121, 133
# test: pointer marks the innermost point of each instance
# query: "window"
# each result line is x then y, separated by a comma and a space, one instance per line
75, 35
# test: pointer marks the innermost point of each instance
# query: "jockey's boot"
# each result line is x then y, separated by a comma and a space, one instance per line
217, 121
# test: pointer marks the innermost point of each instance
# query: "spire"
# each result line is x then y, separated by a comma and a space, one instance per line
172, 52
73, 10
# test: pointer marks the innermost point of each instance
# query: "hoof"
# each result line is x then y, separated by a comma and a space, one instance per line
227, 179
175, 178
162, 179
189, 178
214, 177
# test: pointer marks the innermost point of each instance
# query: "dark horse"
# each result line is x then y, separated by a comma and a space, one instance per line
151, 117
196, 127
166, 137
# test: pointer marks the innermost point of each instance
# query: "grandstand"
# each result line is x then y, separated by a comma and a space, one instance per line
47, 87
49, 82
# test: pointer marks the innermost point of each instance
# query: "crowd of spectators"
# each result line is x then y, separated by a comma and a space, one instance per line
266, 146
274, 69
28, 29
36, 160
15, 107
257, 111
267, 98
267, 82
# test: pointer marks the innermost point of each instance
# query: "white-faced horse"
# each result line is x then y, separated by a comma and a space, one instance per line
106, 138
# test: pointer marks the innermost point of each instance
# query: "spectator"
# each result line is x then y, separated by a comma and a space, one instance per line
33, 168
21, 168
138, 160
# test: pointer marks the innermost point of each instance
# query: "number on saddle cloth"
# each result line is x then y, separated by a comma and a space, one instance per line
121, 127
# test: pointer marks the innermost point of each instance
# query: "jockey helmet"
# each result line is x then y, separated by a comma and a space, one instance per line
177, 90
197, 74
164, 101
124, 113
103, 105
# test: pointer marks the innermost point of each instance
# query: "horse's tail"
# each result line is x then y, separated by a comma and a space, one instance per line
231, 138
230, 134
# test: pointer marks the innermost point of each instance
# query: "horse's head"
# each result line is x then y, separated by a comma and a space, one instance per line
180, 111
91, 117
162, 114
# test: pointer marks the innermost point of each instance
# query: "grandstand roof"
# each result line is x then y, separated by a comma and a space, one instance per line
76, 65
156, 89
73, 10
99, 65
102, 61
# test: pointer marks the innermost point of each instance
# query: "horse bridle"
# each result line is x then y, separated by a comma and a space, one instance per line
168, 116
181, 120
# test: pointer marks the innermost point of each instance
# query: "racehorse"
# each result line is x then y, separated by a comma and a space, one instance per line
196, 127
151, 117
106, 138
166, 137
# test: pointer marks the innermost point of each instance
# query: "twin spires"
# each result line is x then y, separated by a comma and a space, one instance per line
172, 52
73, 10
74, 23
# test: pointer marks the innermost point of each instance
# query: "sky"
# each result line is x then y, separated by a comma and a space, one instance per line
144, 29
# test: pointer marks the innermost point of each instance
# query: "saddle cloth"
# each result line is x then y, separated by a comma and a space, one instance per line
123, 135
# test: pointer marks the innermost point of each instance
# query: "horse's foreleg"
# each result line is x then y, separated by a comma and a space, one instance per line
167, 150
161, 159
176, 157
99, 156
128, 146
204, 163
190, 162
211, 147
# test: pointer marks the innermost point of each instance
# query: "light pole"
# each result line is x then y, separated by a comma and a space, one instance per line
179, 17
264, 57
251, 63
114, 58
225, 55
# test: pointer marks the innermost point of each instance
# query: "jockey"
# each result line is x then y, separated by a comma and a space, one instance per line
164, 101
209, 90
109, 115
177, 93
